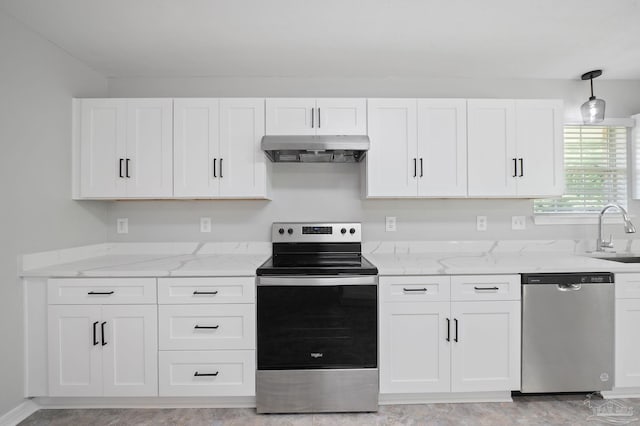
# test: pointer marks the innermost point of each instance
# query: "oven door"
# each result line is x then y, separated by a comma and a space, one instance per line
317, 322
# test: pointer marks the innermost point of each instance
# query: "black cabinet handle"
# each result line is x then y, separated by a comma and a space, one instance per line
318, 117
196, 374
455, 320
104, 342
126, 167
214, 167
206, 327
421, 290
94, 293
421, 168
312, 110
415, 167
515, 167
95, 338
120, 168
521, 167
221, 168
205, 292
448, 330
485, 288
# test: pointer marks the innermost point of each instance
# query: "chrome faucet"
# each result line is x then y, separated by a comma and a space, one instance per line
628, 226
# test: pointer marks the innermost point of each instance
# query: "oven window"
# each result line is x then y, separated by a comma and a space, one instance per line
304, 327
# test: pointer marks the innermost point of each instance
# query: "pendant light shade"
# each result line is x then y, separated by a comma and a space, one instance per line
593, 109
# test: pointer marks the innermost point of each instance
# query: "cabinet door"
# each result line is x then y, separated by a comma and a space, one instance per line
392, 159
129, 350
540, 148
491, 148
627, 343
149, 164
291, 116
341, 116
243, 170
442, 147
486, 355
414, 351
195, 148
75, 353
102, 148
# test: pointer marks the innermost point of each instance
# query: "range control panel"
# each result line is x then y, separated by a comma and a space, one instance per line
304, 232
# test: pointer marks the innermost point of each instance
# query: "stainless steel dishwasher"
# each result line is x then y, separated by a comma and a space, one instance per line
567, 332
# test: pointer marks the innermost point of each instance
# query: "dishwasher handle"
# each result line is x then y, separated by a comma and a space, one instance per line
569, 287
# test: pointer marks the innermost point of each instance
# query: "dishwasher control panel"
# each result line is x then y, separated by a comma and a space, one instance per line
569, 278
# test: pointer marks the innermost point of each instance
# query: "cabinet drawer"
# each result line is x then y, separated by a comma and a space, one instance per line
207, 373
202, 327
627, 286
414, 289
206, 290
101, 291
485, 287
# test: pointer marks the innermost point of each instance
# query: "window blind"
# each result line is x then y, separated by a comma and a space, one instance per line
595, 164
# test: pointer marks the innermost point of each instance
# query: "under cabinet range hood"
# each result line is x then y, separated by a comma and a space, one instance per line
315, 149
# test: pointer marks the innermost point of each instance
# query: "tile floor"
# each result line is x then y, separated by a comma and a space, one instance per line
525, 410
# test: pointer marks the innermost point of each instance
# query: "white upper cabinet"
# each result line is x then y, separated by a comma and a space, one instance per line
515, 148
125, 148
418, 148
322, 116
392, 157
217, 148
442, 147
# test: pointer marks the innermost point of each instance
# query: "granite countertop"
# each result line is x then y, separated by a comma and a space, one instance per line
391, 258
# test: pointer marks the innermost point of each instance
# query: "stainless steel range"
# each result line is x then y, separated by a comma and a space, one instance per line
317, 325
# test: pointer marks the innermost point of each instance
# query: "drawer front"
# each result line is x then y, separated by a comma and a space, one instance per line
101, 291
206, 290
627, 286
485, 287
415, 288
207, 373
202, 327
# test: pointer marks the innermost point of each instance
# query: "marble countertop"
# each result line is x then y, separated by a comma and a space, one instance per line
391, 258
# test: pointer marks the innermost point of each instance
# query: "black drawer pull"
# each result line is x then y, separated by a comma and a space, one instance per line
485, 288
205, 292
103, 293
206, 327
196, 374
448, 330
455, 320
421, 290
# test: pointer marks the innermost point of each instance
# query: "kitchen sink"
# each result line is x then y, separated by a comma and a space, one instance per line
622, 259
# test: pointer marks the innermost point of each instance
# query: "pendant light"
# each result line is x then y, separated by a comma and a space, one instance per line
593, 109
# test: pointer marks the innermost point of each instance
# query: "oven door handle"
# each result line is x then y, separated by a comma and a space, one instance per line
329, 280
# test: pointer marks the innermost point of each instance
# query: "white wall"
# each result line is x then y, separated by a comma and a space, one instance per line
37, 82
332, 192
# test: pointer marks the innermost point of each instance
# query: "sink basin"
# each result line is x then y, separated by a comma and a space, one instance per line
621, 259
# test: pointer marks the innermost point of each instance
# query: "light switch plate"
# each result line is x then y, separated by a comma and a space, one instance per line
390, 223
122, 225
205, 224
518, 223
481, 223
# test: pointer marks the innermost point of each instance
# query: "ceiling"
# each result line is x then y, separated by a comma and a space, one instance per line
546, 39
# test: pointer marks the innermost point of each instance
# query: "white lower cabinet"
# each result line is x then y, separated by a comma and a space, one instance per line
438, 345
99, 350
627, 331
207, 373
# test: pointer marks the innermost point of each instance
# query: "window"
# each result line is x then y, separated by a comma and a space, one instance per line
595, 163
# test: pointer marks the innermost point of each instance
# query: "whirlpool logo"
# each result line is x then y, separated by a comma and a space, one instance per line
316, 355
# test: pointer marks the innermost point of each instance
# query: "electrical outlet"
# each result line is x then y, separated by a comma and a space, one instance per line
390, 223
518, 223
205, 224
481, 223
122, 225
